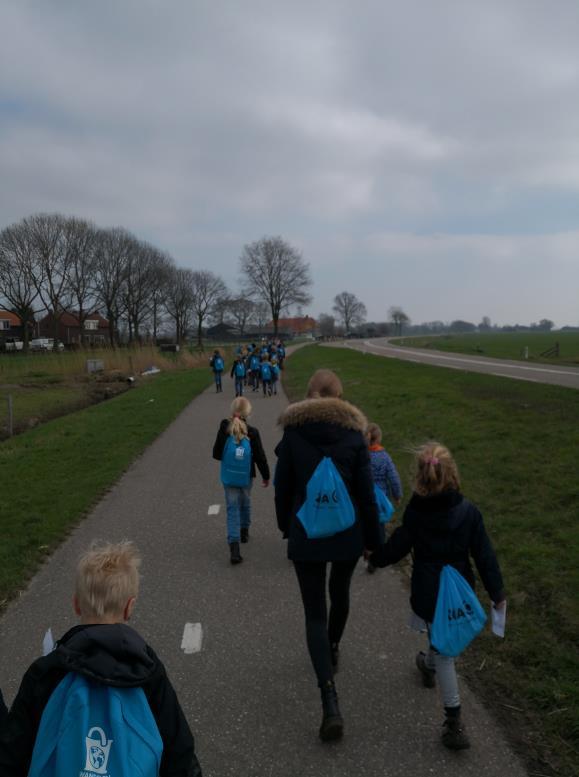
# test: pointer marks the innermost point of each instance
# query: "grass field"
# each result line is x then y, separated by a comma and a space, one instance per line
52, 475
516, 445
503, 345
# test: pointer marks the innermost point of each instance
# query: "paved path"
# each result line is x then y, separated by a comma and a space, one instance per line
558, 376
250, 693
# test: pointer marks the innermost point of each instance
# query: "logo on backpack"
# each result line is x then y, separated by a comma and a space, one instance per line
97, 751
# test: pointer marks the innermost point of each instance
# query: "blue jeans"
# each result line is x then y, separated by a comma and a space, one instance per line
217, 380
238, 386
238, 505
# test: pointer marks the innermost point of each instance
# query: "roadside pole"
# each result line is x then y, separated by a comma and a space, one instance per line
10, 416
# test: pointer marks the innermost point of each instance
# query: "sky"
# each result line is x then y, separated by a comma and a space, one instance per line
418, 154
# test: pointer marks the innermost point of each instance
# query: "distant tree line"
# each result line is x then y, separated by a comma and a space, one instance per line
50, 263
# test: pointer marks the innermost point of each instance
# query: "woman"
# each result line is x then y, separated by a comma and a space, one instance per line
324, 425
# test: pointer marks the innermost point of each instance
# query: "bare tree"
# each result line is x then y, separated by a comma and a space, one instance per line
80, 240
17, 275
139, 287
398, 318
207, 290
349, 310
261, 315
113, 248
179, 300
326, 325
275, 271
163, 267
241, 310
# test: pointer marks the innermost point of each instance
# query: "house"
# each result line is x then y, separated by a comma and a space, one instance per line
295, 327
10, 326
223, 331
68, 330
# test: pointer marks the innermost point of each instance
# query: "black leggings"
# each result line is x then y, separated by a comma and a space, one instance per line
320, 633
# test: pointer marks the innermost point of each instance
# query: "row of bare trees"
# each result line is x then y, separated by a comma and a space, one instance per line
50, 263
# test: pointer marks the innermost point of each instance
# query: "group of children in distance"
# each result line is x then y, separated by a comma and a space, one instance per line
251, 367
103, 655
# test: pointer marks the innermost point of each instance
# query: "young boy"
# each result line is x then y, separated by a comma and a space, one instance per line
101, 652
384, 472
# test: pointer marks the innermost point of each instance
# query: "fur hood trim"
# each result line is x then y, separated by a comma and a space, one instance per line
324, 411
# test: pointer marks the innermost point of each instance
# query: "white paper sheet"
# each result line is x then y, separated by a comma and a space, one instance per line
498, 620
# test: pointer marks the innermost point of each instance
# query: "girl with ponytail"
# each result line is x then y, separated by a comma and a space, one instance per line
238, 497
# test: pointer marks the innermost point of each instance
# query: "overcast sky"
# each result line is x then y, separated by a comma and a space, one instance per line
418, 153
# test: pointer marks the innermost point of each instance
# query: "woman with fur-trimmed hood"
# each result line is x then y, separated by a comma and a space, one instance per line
325, 425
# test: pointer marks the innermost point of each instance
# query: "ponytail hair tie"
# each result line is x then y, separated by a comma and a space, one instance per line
236, 415
432, 460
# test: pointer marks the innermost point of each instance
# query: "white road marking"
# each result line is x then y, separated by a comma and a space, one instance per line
192, 638
214, 510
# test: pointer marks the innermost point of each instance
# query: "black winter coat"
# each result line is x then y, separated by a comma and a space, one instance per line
313, 429
258, 456
442, 529
110, 654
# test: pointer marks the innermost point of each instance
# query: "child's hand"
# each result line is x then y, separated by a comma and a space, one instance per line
265, 483
500, 605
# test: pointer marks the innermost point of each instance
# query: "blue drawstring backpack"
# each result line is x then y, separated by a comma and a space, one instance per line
458, 617
236, 463
92, 729
266, 371
385, 506
218, 364
327, 509
240, 370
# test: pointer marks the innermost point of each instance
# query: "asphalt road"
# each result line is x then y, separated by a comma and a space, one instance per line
250, 694
558, 376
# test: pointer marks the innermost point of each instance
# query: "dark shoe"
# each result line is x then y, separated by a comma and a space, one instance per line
370, 568
244, 535
332, 727
235, 555
428, 674
335, 656
454, 735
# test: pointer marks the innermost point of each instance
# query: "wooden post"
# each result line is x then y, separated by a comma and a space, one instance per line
10, 416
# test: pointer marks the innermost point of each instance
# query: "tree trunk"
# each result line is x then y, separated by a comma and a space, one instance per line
200, 332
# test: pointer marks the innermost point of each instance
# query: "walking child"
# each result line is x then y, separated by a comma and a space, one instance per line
384, 473
441, 527
254, 367
274, 375
102, 693
217, 365
266, 376
238, 447
238, 373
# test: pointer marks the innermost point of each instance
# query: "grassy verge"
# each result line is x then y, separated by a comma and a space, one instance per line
51, 475
504, 345
516, 446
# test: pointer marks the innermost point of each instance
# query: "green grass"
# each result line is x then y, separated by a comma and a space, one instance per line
505, 345
516, 445
32, 404
52, 475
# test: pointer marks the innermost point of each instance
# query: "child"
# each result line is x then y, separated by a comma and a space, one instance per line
384, 472
237, 498
441, 527
254, 369
274, 375
217, 365
102, 652
265, 374
238, 372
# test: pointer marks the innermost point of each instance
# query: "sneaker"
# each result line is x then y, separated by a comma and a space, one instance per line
454, 735
244, 534
428, 674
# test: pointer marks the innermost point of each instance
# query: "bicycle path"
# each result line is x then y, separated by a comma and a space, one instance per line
249, 693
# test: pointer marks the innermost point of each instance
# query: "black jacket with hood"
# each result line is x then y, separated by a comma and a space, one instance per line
112, 655
441, 529
312, 429
258, 456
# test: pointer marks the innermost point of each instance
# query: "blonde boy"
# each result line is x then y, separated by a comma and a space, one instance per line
105, 651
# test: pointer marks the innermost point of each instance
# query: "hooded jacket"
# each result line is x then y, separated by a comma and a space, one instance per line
313, 429
442, 529
112, 655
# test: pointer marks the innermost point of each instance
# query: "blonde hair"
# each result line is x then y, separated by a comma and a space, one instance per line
107, 576
240, 412
436, 470
374, 433
324, 383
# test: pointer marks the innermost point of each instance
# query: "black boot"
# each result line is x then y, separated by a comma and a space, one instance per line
244, 534
454, 735
332, 727
235, 555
